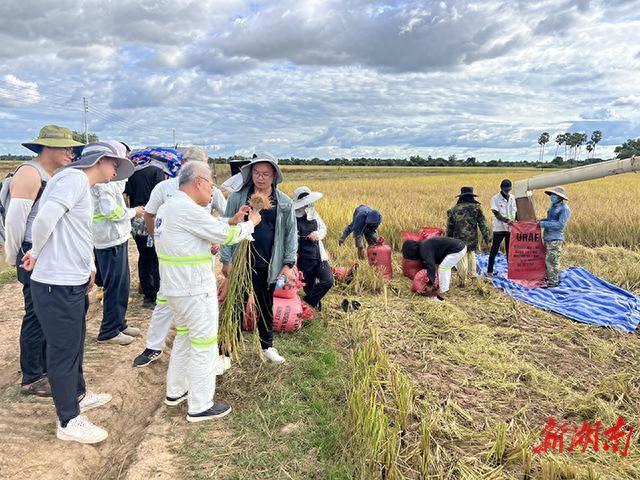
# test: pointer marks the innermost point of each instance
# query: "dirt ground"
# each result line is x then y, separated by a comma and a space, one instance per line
133, 418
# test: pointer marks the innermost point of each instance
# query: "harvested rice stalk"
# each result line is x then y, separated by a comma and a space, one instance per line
240, 288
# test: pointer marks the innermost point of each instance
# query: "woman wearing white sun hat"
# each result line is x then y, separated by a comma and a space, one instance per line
313, 260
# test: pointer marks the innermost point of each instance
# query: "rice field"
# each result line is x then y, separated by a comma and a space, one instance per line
423, 390
462, 390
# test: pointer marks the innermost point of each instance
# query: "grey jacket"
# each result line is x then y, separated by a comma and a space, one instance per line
285, 245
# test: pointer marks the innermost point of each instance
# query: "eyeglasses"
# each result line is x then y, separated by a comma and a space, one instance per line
68, 150
262, 174
208, 180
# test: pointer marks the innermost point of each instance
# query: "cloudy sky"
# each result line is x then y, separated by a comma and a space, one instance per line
324, 78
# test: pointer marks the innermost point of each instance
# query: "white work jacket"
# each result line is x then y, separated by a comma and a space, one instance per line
507, 208
183, 234
111, 217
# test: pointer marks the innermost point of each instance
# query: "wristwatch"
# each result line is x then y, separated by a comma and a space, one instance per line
290, 265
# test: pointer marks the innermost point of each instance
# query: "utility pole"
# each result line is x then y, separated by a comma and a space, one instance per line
174, 138
85, 112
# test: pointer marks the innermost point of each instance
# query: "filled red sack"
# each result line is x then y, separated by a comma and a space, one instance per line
288, 290
411, 267
527, 255
344, 274
416, 237
287, 314
430, 232
421, 282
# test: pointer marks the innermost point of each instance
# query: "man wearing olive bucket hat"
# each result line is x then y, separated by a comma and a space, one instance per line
63, 271
21, 194
313, 260
553, 236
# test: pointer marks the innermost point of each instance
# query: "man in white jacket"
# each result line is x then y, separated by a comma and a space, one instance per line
183, 234
111, 231
162, 317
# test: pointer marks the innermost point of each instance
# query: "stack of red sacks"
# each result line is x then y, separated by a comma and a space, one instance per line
288, 309
411, 267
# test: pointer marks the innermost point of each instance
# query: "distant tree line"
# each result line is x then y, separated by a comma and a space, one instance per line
572, 143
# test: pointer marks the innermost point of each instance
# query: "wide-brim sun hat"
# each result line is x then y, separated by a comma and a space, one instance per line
52, 136
303, 196
559, 191
467, 191
95, 151
261, 157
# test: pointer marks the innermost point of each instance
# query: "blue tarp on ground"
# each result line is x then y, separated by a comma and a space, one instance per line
581, 296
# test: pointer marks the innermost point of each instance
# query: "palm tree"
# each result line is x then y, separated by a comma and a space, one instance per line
542, 140
596, 136
590, 146
567, 143
560, 139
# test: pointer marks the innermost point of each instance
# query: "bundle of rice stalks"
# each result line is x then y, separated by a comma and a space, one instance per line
240, 290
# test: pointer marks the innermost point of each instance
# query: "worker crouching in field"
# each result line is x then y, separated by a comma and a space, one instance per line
463, 222
111, 231
313, 260
184, 233
363, 226
441, 253
63, 271
273, 253
553, 235
504, 209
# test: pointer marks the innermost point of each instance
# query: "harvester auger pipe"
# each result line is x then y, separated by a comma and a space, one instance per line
523, 189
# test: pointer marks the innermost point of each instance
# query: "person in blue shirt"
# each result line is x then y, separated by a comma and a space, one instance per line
553, 236
363, 226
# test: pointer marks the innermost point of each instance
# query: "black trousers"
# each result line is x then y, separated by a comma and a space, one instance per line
495, 247
32, 343
263, 291
98, 280
62, 313
318, 280
148, 268
114, 266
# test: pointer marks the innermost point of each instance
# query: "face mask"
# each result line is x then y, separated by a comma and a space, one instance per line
554, 198
310, 210
300, 212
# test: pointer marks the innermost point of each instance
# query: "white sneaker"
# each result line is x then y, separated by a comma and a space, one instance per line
120, 339
94, 400
226, 363
272, 355
131, 331
81, 430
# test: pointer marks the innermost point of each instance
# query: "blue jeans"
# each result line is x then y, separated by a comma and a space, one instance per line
114, 267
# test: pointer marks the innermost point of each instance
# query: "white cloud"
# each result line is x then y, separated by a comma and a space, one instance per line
324, 77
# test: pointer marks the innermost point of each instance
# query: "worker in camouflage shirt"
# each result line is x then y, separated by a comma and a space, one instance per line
463, 222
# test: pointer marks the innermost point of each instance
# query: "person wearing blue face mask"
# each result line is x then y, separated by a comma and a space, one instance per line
553, 236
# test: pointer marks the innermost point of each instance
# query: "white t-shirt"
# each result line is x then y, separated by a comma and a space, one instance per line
507, 208
167, 188
160, 193
67, 256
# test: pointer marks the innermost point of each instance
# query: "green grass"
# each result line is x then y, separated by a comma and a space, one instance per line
7, 276
288, 421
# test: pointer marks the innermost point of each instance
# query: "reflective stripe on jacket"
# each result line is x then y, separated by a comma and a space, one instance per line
184, 232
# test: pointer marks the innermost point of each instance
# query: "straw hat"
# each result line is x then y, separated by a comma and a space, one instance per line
52, 136
559, 191
303, 196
